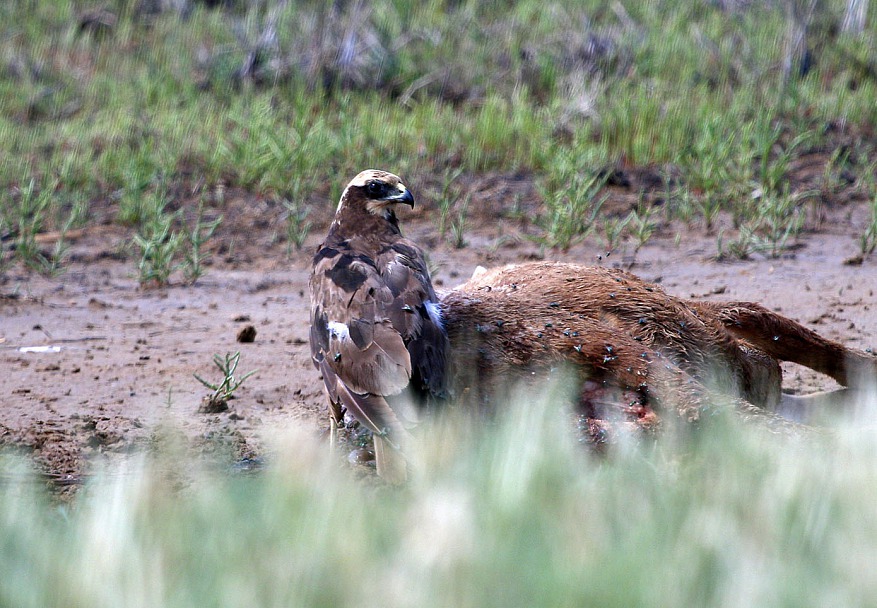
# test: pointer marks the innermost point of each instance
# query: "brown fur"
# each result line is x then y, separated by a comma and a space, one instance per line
651, 351
786, 340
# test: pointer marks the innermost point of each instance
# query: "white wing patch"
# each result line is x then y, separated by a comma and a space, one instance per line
339, 330
435, 314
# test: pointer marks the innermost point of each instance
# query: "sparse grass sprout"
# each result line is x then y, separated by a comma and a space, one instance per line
201, 232
460, 224
223, 390
158, 243
298, 226
572, 206
868, 239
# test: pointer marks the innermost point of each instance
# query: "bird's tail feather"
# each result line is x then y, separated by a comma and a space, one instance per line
390, 462
375, 413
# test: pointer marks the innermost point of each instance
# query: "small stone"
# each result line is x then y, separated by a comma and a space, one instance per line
247, 334
361, 456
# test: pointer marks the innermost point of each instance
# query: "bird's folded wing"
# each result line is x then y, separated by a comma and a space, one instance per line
408, 286
350, 325
383, 367
372, 411
405, 275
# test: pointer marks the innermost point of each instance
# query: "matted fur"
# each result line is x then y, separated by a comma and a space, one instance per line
648, 351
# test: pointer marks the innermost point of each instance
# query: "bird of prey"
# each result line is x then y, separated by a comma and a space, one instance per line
376, 334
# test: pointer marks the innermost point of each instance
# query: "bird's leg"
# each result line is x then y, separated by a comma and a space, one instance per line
333, 435
336, 418
390, 463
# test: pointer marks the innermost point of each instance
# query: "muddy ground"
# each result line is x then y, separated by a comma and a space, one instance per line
121, 374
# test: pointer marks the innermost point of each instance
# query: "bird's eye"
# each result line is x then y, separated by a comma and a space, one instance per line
374, 189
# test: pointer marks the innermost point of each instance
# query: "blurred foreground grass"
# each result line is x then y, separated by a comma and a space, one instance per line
514, 514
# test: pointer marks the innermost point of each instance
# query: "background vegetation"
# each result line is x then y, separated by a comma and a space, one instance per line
134, 112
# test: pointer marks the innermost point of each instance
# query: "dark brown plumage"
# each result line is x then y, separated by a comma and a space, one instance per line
376, 332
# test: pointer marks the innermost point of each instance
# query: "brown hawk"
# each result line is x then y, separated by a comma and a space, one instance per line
376, 328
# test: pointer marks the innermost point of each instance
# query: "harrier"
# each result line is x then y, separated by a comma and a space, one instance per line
376, 330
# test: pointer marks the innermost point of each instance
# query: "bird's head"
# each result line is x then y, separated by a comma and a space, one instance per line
377, 192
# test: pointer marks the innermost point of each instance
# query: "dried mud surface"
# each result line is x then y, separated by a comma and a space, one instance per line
122, 377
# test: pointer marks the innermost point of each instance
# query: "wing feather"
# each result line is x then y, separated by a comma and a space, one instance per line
404, 270
382, 368
372, 411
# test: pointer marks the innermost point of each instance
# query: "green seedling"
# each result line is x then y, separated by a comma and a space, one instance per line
52, 265
709, 206
680, 205
779, 218
28, 216
832, 180
217, 401
868, 239
459, 225
136, 203
297, 225
572, 210
741, 248
773, 171
30, 213
446, 200
613, 230
158, 244
642, 222
193, 266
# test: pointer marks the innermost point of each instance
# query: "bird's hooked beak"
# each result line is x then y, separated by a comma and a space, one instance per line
404, 197
401, 195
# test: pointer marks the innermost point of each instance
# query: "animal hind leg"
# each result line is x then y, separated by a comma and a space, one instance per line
787, 340
663, 385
